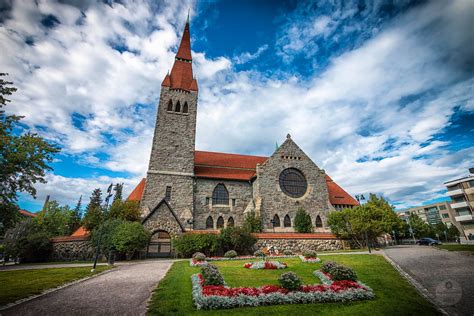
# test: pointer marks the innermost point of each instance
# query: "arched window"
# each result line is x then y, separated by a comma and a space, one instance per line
170, 105
185, 107
220, 222
276, 221
178, 107
287, 221
220, 196
319, 222
209, 223
230, 222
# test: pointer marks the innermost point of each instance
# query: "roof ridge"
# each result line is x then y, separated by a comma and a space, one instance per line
222, 153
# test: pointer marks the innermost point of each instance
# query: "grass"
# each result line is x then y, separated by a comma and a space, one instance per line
394, 295
456, 247
18, 284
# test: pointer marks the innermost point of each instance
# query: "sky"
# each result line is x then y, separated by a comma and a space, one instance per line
378, 93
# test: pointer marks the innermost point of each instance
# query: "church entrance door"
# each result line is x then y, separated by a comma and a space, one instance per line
160, 245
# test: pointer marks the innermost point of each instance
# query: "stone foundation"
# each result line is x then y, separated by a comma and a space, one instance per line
302, 245
72, 250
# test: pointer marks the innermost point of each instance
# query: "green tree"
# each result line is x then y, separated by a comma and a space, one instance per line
118, 191
252, 223
303, 223
108, 229
130, 237
76, 216
94, 214
55, 220
236, 238
127, 211
419, 227
24, 159
9, 216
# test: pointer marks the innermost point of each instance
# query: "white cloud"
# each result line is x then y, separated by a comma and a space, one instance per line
246, 56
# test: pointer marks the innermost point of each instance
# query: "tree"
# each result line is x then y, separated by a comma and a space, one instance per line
56, 220
76, 216
419, 227
108, 228
24, 158
94, 214
236, 238
130, 237
118, 191
252, 223
9, 216
303, 223
128, 210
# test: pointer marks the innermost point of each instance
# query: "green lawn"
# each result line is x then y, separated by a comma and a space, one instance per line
456, 247
394, 295
15, 285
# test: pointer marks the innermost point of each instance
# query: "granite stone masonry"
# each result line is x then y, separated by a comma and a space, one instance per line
72, 250
302, 245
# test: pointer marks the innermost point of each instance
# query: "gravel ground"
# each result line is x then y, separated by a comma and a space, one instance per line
124, 291
448, 276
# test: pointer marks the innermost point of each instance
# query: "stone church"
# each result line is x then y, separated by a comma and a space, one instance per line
186, 189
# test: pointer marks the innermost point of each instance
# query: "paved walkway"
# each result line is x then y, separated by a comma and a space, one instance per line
448, 276
123, 291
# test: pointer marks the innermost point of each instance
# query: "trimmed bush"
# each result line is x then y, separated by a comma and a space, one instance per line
289, 281
187, 244
328, 266
310, 254
212, 275
230, 254
259, 253
236, 238
199, 256
340, 273
287, 252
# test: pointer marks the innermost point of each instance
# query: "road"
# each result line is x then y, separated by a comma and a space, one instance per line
448, 276
123, 291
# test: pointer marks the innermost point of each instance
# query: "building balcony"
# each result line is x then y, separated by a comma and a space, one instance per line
459, 204
469, 190
455, 192
464, 218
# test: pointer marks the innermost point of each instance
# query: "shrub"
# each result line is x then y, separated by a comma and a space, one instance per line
187, 244
328, 266
236, 238
289, 281
230, 254
211, 275
199, 256
108, 229
259, 253
340, 273
310, 254
35, 247
252, 223
130, 237
303, 222
287, 252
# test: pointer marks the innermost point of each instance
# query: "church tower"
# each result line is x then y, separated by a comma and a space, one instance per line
171, 169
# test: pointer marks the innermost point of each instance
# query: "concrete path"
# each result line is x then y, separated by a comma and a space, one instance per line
447, 275
124, 291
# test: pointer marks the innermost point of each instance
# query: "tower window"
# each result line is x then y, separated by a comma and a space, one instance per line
319, 222
276, 221
220, 196
209, 223
233, 202
170, 105
220, 222
287, 221
185, 107
178, 107
168, 194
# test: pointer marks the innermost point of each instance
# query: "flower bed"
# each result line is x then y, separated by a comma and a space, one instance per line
216, 297
247, 257
197, 263
269, 265
309, 260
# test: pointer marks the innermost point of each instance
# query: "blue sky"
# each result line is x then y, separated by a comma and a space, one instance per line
379, 94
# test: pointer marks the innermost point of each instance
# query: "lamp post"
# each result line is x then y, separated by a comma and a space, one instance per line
104, 211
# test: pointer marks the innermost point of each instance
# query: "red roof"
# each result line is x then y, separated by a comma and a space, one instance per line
26, 213
80, 232
181, 76
214, 165
137, 193
337, 195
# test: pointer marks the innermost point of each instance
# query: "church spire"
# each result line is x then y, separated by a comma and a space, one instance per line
181, 76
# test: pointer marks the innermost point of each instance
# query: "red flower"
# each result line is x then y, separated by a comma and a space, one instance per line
247, 265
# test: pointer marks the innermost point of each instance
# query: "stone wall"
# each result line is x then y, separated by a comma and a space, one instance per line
162, 219
302, 245
69, 250
241, 191
273, 201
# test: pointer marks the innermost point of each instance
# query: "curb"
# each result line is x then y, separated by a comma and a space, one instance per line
52, 290
418, 287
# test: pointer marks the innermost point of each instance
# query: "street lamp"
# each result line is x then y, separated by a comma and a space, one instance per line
109, 195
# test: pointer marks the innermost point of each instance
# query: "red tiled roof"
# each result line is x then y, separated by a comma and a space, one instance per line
137, 193
184, 50
80, 232
69, 238
337, 195
26, 213
213, 165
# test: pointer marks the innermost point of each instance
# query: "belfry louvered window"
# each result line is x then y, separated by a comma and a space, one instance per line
178, 107
185, 107
220, 196
170, 105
